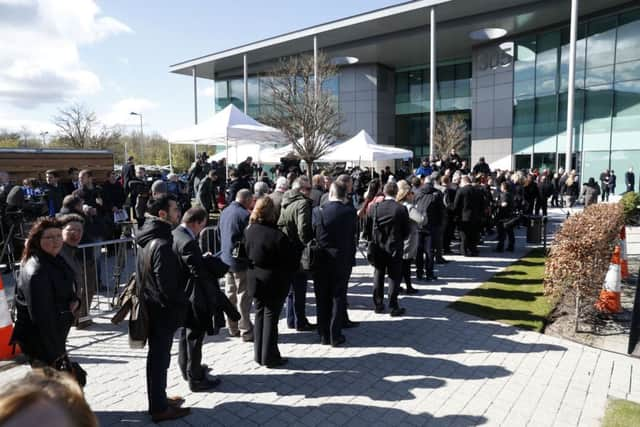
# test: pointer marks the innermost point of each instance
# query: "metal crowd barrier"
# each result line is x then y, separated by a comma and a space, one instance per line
209, 239
106, 266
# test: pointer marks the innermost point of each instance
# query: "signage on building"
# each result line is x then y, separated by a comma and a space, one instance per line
499, 56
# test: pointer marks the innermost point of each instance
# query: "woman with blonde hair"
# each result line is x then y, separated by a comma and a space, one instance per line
270, 255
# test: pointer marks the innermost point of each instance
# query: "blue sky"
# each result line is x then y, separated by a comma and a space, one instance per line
113, 56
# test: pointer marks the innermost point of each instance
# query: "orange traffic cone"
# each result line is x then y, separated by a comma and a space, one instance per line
609, 300
7, 351
624, 259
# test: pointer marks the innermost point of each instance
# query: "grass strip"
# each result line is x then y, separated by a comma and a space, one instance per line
621, 413
513, 296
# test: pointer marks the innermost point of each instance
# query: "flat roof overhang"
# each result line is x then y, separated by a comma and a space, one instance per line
396, 36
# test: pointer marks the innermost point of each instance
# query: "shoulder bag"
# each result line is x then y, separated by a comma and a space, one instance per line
312, 252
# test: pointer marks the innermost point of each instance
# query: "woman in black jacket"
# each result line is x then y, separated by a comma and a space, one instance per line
45, 298
270, 253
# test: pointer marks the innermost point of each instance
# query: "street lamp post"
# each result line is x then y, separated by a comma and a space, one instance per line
44, 140
141, 135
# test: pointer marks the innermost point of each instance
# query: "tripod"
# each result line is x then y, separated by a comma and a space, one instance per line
8, 249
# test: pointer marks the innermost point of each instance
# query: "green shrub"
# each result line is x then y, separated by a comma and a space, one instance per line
630, 202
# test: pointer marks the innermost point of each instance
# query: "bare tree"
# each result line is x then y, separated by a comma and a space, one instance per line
105, 137
300, 112
451, 132
76, 124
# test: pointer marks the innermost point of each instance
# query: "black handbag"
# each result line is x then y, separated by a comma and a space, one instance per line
64, 364
312, 253
374, 252
139, 315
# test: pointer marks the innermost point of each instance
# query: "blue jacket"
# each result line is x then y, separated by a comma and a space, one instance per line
233, 221
422, 171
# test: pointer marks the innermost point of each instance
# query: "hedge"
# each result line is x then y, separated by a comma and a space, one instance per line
579, 256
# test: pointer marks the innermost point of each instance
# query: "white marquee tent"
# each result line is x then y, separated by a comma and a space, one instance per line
228, 128
363, 148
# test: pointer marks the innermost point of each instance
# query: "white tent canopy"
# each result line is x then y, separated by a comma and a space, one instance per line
363, 148
229, 126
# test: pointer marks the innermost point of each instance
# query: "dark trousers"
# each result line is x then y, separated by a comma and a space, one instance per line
158, 360
346, 290
605, 192
541, 205
265, 329
406, 272
330, 285
190, 353
468, 238
392, 267
449, 228
425, 256
296, 299
505, 232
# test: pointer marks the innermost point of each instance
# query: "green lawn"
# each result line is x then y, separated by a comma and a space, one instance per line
513, 296
621, 413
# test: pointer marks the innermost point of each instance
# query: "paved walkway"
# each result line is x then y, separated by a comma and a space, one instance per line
434, 367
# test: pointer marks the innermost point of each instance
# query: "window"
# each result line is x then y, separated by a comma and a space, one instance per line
626, 116
597, 118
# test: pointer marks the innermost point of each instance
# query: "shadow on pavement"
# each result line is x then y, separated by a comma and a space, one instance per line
237, 413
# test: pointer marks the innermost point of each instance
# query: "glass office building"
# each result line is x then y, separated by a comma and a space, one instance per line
510, 89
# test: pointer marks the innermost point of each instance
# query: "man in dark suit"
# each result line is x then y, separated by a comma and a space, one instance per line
467, 207
191, 273
55, 192
388, 222
128, 173
332, 224
630, 180
206, 196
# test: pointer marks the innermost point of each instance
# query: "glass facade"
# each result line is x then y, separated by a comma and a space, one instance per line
258, 94
607, 103
412, 88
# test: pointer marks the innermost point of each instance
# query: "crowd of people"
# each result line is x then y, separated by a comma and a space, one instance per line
275, 237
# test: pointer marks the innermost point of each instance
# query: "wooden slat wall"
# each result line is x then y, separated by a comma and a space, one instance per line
34, 165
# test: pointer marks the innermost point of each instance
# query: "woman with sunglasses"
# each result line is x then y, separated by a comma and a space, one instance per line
45, 298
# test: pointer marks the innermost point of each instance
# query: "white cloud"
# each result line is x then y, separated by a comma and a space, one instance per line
120, 112
32, 127
41, 63
207, 92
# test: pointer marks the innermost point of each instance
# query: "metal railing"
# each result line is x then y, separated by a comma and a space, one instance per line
106, 266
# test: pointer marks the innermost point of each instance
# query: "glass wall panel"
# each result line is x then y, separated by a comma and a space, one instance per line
621, 161
547, 63
627, 46
601, 38
523, 124
524, 68
597, 118
593, 164
626, 116
628, 71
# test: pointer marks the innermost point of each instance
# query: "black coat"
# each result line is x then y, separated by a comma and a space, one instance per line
334, 227
198, 276
430, 203
112, 196
161, 289
468, 204
393, 226
272, 261
235, 186
45, 292
128, 173
55, 195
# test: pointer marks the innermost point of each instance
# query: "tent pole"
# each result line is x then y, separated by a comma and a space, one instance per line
226, 163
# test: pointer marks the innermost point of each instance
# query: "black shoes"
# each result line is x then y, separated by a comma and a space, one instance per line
411, 291
278, 363
397, 312
350, 324
171, 413
325, 341
338, 341
205, 384
306, 327
379, 308
441, 261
